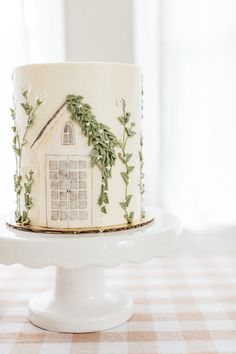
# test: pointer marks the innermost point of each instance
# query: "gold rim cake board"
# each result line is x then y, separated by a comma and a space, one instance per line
86, 230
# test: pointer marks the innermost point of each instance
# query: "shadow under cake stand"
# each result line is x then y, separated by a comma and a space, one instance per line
80, 300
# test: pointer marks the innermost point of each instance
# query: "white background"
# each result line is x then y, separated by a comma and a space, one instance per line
187, 50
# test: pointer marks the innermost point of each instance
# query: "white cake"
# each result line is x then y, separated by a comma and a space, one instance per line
77, 141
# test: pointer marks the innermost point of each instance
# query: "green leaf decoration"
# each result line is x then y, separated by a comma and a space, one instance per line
17, 216
122, 158
128, 199
122, 120
18, 146
129, 221
25, 219
128, 157
100, 138
125, 178
130, 169
104, 210
105, 198
123, 205
129, 132
131, 215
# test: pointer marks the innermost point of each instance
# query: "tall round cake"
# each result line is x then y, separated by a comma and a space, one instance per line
78, 145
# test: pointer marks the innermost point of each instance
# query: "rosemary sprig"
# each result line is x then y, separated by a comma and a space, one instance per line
17, 175
27, 197
125, 157
141, 184
102, 140
18, 144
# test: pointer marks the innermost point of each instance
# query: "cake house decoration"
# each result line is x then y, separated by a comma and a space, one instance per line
99, 136
77, 164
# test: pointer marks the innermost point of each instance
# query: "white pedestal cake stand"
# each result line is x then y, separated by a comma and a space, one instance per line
81, 300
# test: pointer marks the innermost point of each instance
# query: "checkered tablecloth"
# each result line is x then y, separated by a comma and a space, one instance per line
182, 305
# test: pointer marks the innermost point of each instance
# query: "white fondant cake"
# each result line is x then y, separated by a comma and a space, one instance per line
77, 141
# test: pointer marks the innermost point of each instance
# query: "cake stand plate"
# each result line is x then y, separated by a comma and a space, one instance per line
80, 300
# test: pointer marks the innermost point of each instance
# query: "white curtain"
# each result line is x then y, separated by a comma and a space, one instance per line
147, 55
30, 31
197, 106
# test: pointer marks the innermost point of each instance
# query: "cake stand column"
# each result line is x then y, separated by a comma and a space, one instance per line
80, 302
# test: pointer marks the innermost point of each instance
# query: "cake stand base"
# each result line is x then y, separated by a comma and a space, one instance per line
80, 302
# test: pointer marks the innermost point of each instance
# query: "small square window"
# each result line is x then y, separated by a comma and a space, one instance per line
73, 165
73, 204
62, 165
53, 175
63, 195
73, 195
82, 195
82, 164
55, 215
54, 195
63, 185
63, 205
53, 165
82, 175
83, 215
82, 204
82, 184
62, 175
73, 175
73, 185
73, 215
54, 185
63, 215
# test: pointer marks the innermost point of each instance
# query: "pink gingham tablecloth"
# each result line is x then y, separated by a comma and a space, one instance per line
182, 305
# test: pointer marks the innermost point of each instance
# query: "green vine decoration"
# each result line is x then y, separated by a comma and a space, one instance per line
18, 145
27, 197
17, 176
100, 137
125, 157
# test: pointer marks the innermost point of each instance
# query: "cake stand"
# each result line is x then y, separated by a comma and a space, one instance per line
80, 300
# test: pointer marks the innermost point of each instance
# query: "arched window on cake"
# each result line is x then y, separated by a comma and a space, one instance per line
68, 134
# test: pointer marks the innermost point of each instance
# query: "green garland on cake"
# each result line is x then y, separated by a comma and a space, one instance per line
22, 216
125, 157
100, 137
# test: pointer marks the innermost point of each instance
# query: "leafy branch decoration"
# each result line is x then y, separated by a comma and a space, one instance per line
141, 184
100, 137
27, 197
141, 159
125, 157
18, 147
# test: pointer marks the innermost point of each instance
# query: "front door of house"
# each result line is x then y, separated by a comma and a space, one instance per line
68, 182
